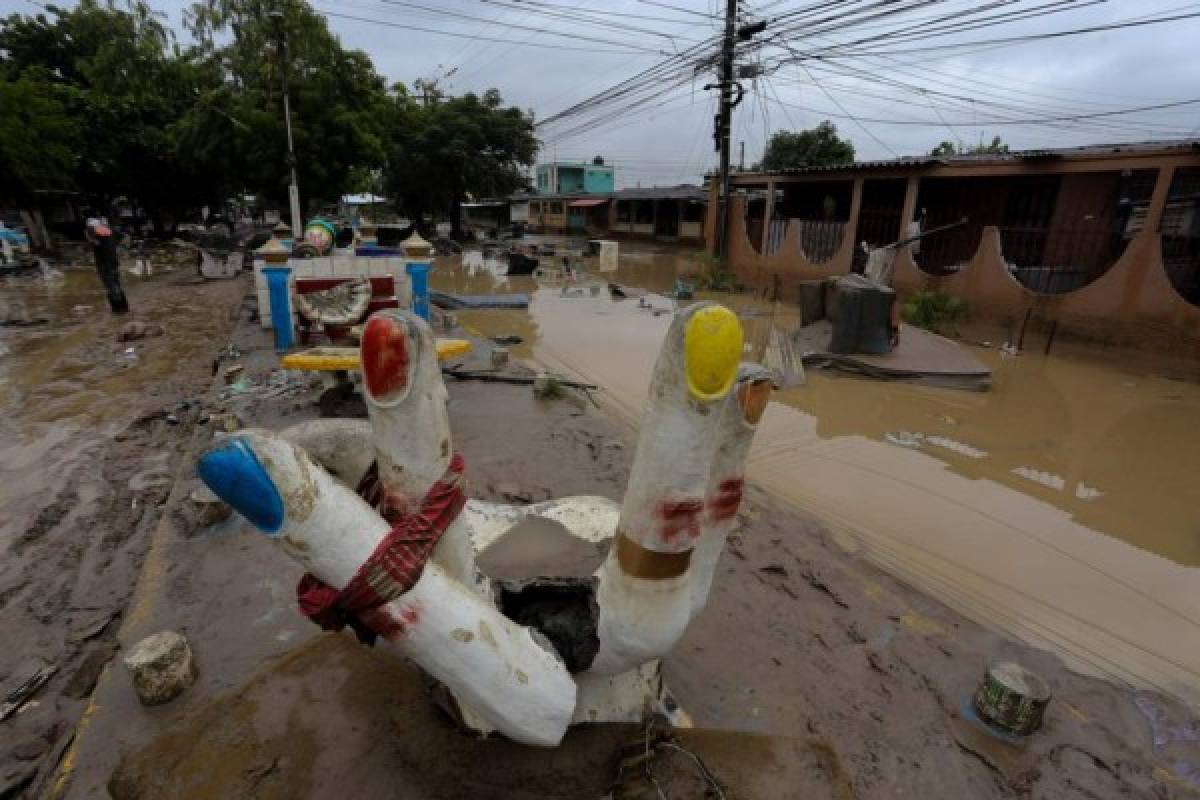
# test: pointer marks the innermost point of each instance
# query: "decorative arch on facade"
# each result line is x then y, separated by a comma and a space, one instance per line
1179, 234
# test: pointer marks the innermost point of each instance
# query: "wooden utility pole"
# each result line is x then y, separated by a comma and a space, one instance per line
725, 84
294, 183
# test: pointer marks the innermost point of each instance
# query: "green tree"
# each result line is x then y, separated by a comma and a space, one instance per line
445, 148
817, 147
948, 148
38, 138
340, 107
116, 77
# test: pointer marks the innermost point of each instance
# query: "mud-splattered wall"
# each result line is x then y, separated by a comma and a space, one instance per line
1076, 236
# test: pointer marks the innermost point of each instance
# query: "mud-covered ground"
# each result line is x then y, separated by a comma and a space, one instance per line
92, 434
810, 674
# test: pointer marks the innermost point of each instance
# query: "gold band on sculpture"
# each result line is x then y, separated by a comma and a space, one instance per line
640, 562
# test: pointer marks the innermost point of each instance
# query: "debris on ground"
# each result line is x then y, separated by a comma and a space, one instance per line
456, 301
547, 386
657, 765
138, 330
520, 380
228, 353
227, 422
18, 697
1012, 699
161, 667
279, 383
618, 291
204, 508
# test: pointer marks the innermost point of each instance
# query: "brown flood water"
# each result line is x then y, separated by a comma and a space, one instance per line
1059, 506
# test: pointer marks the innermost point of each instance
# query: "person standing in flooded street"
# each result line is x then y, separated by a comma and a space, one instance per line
104, 250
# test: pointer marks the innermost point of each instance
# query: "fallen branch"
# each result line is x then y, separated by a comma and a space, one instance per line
21, 695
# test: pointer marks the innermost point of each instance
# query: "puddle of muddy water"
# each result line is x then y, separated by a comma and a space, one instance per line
1058, 506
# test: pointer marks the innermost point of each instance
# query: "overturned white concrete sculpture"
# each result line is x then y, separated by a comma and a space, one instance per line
662, 544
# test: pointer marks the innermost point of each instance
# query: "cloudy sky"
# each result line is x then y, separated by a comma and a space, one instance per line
931, 81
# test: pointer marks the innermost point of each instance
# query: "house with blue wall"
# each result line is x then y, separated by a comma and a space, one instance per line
574, 177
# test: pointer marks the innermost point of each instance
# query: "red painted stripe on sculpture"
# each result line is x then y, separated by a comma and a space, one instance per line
678, 518
725, 502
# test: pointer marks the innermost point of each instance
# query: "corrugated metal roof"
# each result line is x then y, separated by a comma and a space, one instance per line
1082, 151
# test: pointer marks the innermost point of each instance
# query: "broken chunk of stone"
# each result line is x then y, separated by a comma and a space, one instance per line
205, 508
138, 330
161, 666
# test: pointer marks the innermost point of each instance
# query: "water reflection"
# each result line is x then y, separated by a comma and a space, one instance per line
1057, 505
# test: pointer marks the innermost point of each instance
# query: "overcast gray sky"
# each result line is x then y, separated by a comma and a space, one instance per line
964, 94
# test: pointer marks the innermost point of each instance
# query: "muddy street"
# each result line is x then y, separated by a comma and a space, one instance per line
818, 669
650, 400
1055, 506
93, 433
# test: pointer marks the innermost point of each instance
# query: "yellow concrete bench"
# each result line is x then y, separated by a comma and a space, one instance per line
337, 359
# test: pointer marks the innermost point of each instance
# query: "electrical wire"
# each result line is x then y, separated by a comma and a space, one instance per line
500, 23
420, 29
533, 5
678, 8
853, 119
1036, 37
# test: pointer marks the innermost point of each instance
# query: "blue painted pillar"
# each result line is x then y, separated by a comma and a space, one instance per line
418, 273
281, 306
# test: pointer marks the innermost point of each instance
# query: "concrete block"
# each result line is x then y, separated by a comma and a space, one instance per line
264, 307
161, 666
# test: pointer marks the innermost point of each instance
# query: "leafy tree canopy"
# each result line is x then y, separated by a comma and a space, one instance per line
339, 104
818, 147
38, 138
442, 149
100, 98
105, 92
